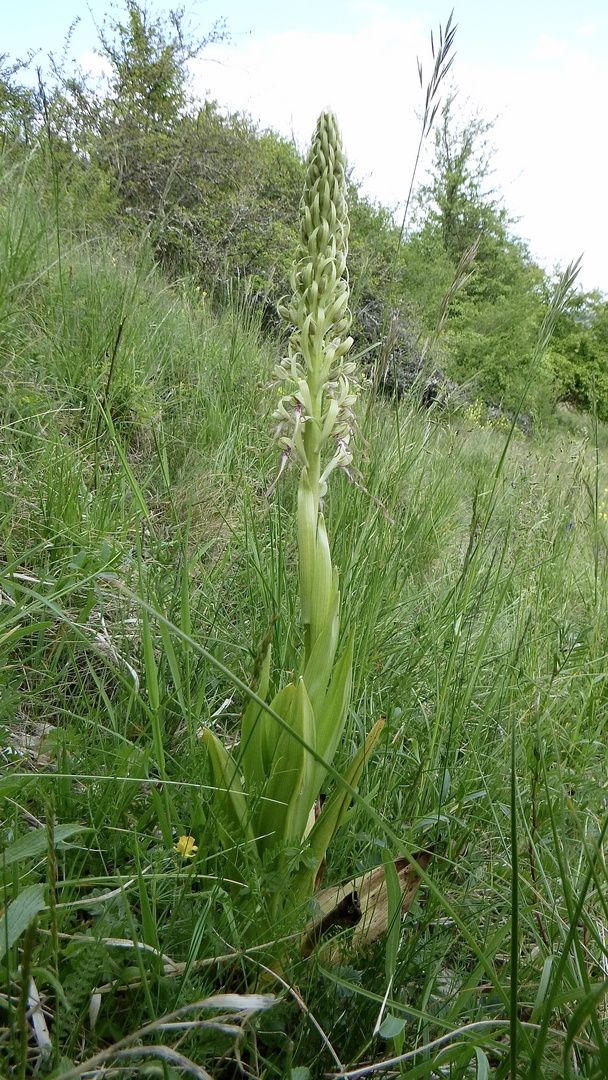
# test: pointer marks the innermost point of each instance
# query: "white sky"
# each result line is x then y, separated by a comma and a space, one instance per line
541, 68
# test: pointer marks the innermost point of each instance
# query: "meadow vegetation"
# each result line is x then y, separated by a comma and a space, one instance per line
146, 566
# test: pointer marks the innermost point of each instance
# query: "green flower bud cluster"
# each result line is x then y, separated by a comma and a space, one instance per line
320, 279
319, 407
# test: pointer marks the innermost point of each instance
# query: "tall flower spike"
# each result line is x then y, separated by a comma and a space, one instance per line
317, 413
286, 764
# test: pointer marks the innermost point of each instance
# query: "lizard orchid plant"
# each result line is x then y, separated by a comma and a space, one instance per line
267, 792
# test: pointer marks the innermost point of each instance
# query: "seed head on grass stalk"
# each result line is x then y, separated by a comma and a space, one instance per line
315, 419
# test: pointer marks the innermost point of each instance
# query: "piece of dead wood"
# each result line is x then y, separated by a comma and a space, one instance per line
347, 912
366, 895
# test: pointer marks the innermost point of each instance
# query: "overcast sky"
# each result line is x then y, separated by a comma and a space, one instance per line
540, 68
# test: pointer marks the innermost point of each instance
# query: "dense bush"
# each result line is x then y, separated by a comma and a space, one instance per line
579, 354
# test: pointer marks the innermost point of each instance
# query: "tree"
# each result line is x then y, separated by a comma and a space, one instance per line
578, 355
17, 104
458, 199
147, 93
494, 319
149, 74
217, 197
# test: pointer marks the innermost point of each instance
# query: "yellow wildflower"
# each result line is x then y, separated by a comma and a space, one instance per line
186, 847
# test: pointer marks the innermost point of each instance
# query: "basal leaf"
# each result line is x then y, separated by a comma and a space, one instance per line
19, 915
330, 723
229, 797
330, 819
320, 663
253, 732
35, 843
288, 791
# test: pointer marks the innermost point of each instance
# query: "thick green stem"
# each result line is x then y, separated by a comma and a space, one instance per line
313, 557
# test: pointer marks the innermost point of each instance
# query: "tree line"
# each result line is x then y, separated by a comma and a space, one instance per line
216, 197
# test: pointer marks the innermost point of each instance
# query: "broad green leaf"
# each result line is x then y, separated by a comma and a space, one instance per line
324, 582
394, 897
270, 731
318, 668
229, 797
252, 731
35, 843
303, 722
270, 816
290, 783
391, 1026
483, 1065
317, 578
330, 724
19, 915
329, 821
353, 774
